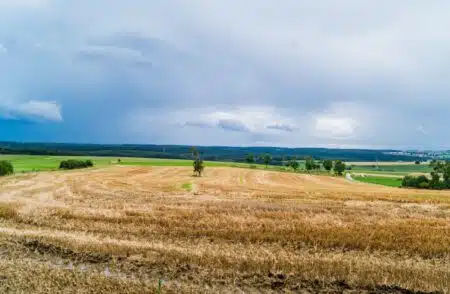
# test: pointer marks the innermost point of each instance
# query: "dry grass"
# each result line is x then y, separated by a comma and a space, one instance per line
121, 229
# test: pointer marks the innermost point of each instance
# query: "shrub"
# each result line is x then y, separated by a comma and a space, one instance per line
75, 164
327, 165
293, 164
421, 182
339, 167
424, 185
6, 168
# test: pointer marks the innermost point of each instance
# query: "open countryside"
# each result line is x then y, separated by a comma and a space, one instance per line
224, 146
369, 172
48, 163
134, 225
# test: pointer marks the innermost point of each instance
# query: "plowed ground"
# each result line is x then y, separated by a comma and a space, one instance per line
121, 229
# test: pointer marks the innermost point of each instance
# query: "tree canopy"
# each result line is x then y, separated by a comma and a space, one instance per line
250, 158
339, 167
327, 165
293, 163
266, 158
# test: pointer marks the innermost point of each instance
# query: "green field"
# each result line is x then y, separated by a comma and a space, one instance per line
385, 181
392, 169
29, 163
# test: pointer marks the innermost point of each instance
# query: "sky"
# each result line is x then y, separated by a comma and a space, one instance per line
293, 73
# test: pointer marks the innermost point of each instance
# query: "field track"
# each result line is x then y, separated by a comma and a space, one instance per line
120, 229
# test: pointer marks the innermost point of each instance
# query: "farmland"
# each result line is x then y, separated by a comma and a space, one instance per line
48, 163
373, 173
29, 163
380, 180
391, 168
119, 228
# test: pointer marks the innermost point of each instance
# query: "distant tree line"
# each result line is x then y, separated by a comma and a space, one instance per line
210, 153
310, 164
338, 166
265, 158
439, 180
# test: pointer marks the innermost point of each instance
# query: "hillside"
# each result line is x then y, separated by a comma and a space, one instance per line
214, 153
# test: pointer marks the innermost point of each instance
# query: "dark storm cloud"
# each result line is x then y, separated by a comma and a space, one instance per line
280, 127
232, 125
347, 73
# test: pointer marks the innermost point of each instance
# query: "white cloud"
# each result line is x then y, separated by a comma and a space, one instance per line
335, 127
422, 130
34, 110
260, 119
115, 54
251, 120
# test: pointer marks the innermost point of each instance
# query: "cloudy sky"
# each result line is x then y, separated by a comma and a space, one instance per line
344, 73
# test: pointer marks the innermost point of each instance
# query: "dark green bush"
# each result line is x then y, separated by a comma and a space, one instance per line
6, 168
416, 182
424, 185
75, 164
422, 182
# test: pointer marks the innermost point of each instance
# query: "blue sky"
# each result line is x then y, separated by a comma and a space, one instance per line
347, 73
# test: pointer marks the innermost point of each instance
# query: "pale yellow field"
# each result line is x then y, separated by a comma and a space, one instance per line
121, 229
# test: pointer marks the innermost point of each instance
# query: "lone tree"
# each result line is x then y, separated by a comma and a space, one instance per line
318, 165
310, 164
250, 159
198, 164
294, 164
266, 158
327, 165
6, 168
339, 167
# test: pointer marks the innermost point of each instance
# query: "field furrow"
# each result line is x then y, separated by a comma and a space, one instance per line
232, 230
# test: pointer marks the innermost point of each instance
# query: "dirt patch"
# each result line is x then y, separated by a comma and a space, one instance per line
282, 283
65, 253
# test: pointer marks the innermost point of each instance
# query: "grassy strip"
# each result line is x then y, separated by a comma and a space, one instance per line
27, 163
187, 187
385, 181
30, 163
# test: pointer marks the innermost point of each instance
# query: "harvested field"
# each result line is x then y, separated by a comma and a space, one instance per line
122, 229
